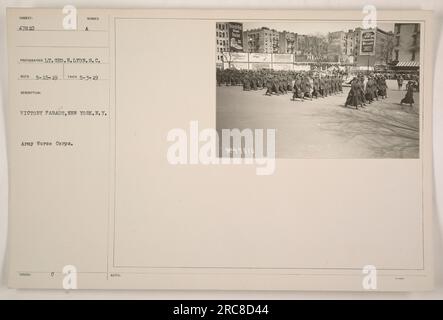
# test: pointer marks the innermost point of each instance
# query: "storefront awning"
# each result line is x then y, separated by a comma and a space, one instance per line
408, 64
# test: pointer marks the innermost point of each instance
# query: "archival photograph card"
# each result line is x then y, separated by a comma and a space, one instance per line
220, 149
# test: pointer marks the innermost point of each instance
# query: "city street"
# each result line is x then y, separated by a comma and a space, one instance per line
324, 128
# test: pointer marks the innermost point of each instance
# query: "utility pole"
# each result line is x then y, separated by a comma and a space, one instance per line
367, 70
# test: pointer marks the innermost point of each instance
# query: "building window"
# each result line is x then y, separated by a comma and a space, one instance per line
396, 55
413, 56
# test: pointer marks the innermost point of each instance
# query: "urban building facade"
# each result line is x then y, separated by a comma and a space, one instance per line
337, 46
383, 51
406, 42
287, 42
314, 47
228, 38
350, 43
384, 46
263, 40
222, 40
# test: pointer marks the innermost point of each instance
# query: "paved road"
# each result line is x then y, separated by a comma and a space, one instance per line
324, 128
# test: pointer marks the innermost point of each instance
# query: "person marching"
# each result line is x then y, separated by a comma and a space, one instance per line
246, 84
297, 88
400, 81
288, 84
275, 85
334, 84
363, 88
282, 85
218, 77
308, 86
369, 94
375, 87
354, 95
382, 87
322, 86
340, 84
327, 93
316, 86
268, 86
409, 97
253, 82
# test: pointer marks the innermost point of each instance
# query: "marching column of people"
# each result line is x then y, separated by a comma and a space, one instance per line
365, 91
303, 85
308, 85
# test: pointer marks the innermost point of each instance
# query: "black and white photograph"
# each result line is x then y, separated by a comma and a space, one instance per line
238, 154
329, 89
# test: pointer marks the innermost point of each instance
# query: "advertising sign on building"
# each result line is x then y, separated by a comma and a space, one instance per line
367, 41
236, 36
